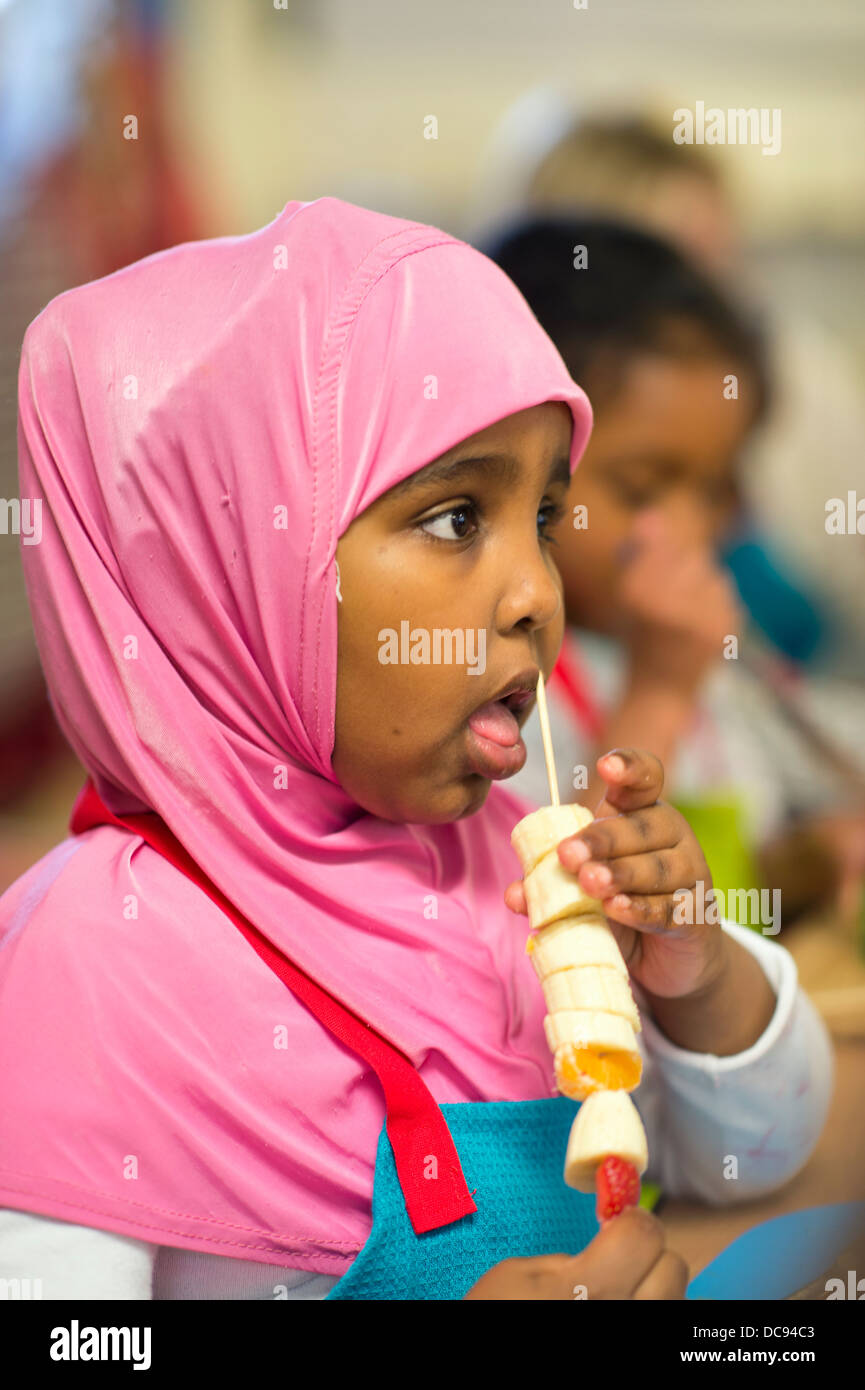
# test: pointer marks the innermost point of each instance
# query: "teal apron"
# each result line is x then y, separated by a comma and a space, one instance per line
430, 1239
512, 1153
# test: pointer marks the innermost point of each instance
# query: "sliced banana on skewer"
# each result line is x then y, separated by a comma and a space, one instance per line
592, 1020
586, 1028
607, 1123
574, 941
595, 988
552, 892
536, 835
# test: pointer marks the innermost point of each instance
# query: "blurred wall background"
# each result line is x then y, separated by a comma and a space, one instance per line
331, 98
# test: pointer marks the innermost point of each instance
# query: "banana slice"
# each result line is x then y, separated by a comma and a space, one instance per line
552, 892
591, 988
539, 833
589, 1029
572, 942
607, 1122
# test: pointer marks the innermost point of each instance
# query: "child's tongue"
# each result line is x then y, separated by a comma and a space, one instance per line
495, 747
496, 722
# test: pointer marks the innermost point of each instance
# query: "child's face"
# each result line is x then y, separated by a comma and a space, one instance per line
666, 441
467, 553
693, 213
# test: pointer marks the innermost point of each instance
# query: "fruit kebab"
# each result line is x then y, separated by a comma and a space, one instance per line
592, 1021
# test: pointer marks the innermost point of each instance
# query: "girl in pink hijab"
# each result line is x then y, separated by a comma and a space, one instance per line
265, 1010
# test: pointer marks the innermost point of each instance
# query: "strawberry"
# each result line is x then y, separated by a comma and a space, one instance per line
617, 1184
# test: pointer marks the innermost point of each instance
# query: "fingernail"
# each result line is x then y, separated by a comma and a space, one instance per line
615, 764
602, 876
620, 900
577, 852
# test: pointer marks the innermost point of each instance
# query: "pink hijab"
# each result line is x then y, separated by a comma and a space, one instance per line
202, 426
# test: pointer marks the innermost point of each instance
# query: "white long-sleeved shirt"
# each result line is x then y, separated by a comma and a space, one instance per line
720, 1129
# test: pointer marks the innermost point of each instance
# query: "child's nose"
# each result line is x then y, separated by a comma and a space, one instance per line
531, 594
687, 518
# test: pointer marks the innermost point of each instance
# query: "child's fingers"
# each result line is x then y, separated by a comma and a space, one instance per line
651, 913
668, 1279
662, 871
654, 828
515, 897
620, 1257
634, 778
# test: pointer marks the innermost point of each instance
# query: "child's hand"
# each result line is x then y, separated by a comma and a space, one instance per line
626, 1259
634, 857
677, 605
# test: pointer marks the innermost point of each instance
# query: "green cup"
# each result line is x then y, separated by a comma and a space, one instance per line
718, 823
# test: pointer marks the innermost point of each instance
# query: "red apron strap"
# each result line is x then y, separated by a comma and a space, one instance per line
415, 1125
571, 679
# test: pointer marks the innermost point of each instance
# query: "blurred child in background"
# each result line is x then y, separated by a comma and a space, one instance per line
802, 588
678, 382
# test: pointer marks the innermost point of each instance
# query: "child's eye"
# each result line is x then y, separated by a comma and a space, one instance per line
630, 495
550, 516
458, 523
455, 518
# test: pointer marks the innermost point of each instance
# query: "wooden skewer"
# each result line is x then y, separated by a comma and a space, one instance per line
543, 715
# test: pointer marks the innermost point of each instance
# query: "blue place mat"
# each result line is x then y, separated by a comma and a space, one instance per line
778, 1257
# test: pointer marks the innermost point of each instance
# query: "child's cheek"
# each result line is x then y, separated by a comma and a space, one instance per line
396, 748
